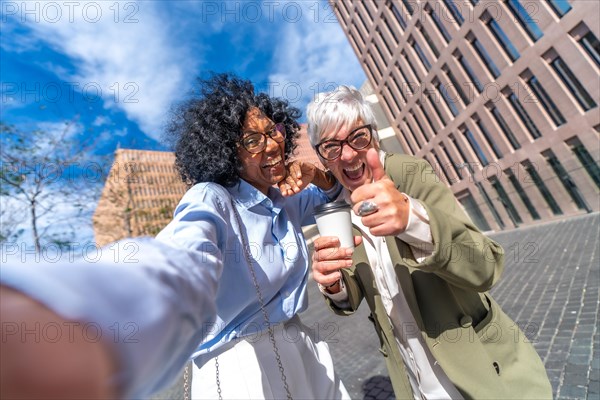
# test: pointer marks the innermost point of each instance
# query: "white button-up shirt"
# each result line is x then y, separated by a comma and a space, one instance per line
426, 377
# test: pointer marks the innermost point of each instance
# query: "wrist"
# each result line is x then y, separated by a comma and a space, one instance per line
327, 178
333, 288
332, 285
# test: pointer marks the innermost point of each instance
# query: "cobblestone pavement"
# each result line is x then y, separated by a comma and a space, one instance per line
549, 287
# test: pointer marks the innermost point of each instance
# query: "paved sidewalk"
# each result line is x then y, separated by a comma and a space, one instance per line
549, 287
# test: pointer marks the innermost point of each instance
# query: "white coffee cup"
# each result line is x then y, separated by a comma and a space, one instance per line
333, 219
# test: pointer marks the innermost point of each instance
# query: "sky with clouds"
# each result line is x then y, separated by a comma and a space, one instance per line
117, 67
121, 65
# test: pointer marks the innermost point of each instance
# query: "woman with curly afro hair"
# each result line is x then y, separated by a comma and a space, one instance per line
244, 212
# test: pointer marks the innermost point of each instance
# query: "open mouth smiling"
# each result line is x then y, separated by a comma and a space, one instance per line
272, 163
355, 172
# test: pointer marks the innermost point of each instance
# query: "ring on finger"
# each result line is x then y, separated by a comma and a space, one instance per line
367, 207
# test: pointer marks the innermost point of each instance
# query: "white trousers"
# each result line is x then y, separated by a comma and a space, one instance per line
249, 370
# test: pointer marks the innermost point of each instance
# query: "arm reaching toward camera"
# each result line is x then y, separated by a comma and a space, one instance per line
122, 326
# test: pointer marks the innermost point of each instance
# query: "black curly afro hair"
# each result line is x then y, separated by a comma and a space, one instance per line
205, 130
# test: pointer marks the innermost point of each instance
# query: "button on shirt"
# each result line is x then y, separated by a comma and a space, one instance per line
426, 377
205, 221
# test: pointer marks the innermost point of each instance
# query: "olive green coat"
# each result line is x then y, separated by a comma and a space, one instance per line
478, 346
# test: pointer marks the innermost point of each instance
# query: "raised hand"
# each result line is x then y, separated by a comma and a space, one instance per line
393, 207
299, 175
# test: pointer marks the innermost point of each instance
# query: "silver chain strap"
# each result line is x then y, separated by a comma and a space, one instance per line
265, 316
186, 382
262, 308
218, 379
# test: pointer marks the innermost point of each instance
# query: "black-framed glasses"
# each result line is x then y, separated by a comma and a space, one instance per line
255, 142
358, 139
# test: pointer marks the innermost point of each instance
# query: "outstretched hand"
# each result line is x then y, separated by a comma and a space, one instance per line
391, 217
64, 366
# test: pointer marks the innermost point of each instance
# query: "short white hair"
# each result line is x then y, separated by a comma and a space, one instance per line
335, 110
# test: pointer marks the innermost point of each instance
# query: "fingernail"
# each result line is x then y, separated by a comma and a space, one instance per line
349, 252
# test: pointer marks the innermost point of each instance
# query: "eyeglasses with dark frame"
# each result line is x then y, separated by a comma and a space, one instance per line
255, 142
358, 139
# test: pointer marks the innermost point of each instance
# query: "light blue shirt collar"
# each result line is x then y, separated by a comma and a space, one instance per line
248, 196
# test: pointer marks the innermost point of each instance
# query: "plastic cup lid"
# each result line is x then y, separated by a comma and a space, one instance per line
331, 207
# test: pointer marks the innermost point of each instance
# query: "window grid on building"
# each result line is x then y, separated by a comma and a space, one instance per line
586, 160
450, 102
418, 122
523, 114
379, 52
439, 24
526, 20
510, 208
441, 166
456, 85
365, 7
469, 71
390, 29
420, 53
491, 205
505, 128
407, 141
546, 194
591, 45
565, 180
385, 43
454, 11
409, 6
546, 101
475, 146
434, 103
398, 89
412, 132
489, 138
397, 14
573, 84
485, 57
466, 162
503, 39
411, 65
387, 94
407, 83
471, 207
452, 163
522, 195
427, 117
429, 41
560, 7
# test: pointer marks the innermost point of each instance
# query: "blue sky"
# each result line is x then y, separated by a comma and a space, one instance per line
120, 65
117, 67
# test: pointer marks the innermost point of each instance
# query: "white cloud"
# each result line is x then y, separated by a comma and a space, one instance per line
126, 57
313, 55
101, 120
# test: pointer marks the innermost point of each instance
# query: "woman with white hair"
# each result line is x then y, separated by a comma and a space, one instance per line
422, 266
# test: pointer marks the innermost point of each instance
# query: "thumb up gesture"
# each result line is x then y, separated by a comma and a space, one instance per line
387, 208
